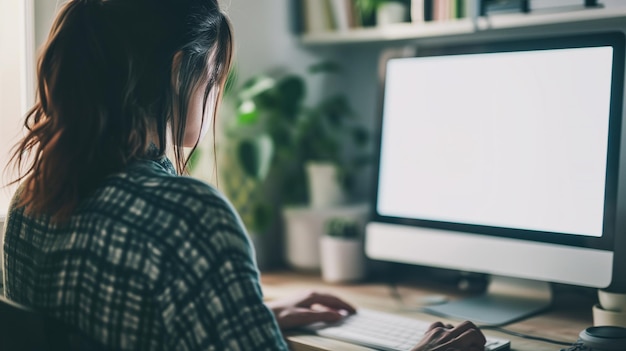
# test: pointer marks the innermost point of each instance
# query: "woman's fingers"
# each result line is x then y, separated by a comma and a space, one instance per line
464, 327
309, 308
441, 337
435, 325
297, 317
326, 300
471, 338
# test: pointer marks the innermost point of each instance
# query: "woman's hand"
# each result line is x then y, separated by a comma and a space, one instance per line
309, 308
464, 337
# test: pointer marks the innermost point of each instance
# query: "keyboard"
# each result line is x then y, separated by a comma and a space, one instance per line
385, 331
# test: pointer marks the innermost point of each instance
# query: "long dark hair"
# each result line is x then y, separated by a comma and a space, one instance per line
106, 90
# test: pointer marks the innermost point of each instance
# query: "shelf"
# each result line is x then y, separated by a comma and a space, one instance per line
411, 31
400, 31
550, 18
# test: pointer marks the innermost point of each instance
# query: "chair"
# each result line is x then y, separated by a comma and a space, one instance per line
23, 329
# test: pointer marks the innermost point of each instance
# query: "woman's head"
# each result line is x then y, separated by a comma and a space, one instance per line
114, 77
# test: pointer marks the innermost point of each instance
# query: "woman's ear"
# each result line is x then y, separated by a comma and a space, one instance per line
176, 62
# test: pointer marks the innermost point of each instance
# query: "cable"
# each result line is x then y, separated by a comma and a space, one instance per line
395, 293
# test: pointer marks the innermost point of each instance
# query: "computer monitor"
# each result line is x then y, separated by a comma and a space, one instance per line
505, 158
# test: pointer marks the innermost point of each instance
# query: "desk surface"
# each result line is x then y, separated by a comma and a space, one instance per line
570, 314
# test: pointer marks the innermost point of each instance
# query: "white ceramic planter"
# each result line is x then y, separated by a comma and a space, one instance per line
304, 226
324, 187
612, 301
390, 13
343, 260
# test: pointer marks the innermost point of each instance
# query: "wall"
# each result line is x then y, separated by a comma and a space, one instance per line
264, 41
45, 11
24, 26
12, 86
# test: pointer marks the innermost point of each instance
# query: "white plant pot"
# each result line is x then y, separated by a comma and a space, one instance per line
612, 301
390, 13
343, 260
304, 226
324, 187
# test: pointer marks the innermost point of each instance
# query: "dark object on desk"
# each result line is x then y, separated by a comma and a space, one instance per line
490, 7
23, 329
472, 282
600, 339
562, 5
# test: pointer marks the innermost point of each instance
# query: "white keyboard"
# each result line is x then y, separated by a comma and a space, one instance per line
385, 331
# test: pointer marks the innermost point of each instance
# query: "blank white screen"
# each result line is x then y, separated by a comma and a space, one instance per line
515, 140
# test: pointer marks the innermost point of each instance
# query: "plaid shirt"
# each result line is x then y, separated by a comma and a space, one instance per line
150, 261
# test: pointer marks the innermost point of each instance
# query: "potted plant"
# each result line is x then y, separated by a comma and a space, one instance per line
341, 249
274, 137
382, 12
330, 174
276, 133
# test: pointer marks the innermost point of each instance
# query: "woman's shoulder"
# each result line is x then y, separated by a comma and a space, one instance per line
191, 213
155, 183
176, 209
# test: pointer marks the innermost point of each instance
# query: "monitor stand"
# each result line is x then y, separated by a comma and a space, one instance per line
507, 300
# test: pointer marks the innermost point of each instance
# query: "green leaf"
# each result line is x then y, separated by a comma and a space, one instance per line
368, 7
325, 67
255, 156
256, 86
360, 136
281, 136
336, 109
247, 112
342, 228
262, 214
291, 90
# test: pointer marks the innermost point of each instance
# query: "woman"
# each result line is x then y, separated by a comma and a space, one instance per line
103, 235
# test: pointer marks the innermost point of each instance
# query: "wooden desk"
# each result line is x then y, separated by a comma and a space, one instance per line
570, 314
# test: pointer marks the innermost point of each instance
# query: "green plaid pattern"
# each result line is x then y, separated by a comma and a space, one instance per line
150, 261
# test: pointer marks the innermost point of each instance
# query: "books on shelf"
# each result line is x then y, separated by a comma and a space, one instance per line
443, 10
319, 16
328, 16
417, 11
342, 14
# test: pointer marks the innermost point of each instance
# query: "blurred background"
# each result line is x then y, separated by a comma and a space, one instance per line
302, 102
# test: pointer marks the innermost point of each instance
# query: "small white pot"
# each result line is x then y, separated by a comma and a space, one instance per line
304, 226
391, 12
343, 260
324, 187
612, 301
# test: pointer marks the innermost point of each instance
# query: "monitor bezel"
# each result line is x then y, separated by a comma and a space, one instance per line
614, 39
